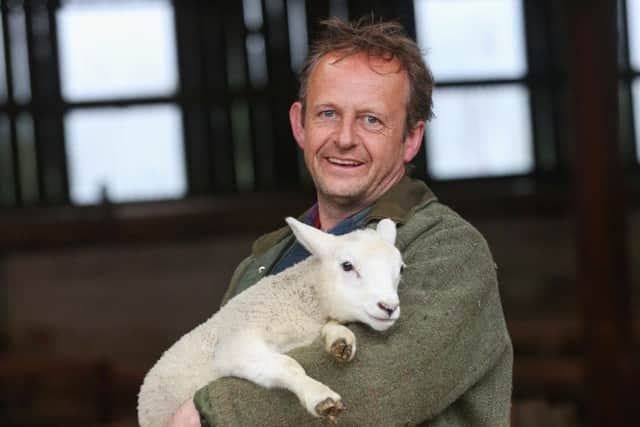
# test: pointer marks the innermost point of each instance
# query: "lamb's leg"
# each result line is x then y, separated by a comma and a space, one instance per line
339, 341
281, 371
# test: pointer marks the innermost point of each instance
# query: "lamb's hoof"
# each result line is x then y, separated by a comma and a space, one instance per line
330, 409
341, 350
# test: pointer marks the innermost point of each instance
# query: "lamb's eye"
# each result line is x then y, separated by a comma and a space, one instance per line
402, 268
346, 266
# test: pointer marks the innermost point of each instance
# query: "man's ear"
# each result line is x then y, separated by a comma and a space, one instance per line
295, 119
413, 141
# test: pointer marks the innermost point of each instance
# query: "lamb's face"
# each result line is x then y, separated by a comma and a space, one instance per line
365, 272
361, 271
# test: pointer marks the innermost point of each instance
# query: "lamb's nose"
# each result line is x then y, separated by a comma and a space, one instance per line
389, 308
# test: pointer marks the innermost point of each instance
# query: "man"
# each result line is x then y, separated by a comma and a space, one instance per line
364, 98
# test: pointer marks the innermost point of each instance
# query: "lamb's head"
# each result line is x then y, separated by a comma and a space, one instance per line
360, 272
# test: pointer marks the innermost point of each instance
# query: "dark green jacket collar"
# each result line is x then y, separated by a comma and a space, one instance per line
399, 204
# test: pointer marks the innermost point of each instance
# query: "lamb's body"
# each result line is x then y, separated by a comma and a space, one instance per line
247, 338
296, 321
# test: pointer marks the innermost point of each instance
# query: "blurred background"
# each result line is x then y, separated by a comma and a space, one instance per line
144, 144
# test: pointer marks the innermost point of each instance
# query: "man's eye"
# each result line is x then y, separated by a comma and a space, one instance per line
372, 120
346, 266
328, 114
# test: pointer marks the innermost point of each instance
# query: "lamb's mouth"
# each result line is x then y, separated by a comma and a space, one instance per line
382, 319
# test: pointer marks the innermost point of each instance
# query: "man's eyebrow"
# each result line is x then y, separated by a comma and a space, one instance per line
375, 110
323, 106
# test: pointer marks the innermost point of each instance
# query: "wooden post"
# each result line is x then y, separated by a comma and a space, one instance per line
4, 311
599, 196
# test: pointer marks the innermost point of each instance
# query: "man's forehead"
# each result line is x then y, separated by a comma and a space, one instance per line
380, 76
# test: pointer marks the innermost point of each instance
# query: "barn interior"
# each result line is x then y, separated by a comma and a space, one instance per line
145, 144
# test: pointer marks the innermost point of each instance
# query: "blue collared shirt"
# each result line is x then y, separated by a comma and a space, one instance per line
297, 252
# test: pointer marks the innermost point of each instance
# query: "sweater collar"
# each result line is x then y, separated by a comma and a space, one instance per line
399, 204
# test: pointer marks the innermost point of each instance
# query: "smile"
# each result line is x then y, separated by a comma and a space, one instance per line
343, 162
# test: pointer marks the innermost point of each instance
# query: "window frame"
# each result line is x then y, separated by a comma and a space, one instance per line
629, 138
203, 32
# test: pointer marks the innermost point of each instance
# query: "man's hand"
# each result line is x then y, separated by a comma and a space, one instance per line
186, 416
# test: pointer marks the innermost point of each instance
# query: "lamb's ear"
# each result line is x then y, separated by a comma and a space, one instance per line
387, 229
315, 241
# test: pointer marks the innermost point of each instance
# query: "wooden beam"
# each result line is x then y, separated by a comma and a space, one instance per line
599, 196
49, 228
4, 310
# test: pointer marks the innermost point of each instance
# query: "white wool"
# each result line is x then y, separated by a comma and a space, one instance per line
280, 313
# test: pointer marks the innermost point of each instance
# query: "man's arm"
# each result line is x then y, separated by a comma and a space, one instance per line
450, 337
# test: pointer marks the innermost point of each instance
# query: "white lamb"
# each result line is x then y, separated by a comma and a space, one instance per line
348, 278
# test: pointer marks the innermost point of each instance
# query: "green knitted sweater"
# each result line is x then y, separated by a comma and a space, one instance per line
446, 362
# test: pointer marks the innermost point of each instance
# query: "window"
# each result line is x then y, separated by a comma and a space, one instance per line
16, 23
97, 61
109, 154
3, 76
297, 16
633, 23
132, 153
480, 131
482, 125
633, 19
191, 98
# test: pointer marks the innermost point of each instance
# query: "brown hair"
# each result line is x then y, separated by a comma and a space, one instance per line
386, 40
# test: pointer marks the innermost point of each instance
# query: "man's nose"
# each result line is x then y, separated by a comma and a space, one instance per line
346, 135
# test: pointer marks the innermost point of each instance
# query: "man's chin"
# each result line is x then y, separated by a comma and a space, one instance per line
343, 198
343, 194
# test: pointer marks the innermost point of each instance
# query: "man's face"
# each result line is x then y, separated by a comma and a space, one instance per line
353, 129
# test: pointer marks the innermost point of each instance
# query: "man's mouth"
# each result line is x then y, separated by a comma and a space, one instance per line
343, 162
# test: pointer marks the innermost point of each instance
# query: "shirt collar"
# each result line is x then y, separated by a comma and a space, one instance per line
312, 217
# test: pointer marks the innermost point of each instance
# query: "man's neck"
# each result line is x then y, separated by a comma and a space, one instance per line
331, 215
332, 211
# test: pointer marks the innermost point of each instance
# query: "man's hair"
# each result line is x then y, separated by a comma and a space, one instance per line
386, 40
